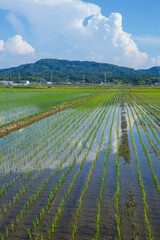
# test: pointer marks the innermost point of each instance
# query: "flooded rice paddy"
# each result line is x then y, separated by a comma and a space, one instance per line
88, 172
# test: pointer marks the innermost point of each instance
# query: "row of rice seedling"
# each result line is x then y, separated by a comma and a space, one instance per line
149, 232
146, 120
145, 150
144, 127
83, 193
117, 216
147, 100
96, 236
149, 110
148, 115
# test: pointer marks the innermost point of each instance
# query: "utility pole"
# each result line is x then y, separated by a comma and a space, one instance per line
52, 77
19, 77
67, 79
105, 78
83, 79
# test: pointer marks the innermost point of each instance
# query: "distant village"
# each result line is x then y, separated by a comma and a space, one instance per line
27, 82
23, 83
11, 83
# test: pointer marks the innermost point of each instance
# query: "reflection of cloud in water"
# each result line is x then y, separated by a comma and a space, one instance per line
21, 130
94, 149
2, 120
104, 143
114, 132
17, 112
131, 119
114, 138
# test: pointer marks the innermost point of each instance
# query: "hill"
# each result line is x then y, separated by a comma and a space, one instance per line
60, 70
154, 71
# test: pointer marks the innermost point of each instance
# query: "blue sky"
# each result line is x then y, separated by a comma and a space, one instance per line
125, 33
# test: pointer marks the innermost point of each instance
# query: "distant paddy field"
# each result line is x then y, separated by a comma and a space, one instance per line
21, 104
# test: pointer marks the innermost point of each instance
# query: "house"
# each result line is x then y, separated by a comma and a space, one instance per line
25, 82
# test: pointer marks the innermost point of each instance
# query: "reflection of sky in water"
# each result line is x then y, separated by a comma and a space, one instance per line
114, 138
15, 113
132, 119
94, 148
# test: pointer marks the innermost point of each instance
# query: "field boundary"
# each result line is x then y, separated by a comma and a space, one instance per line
5, 130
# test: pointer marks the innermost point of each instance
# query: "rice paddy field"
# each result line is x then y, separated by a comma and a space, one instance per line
21, 104
91, 171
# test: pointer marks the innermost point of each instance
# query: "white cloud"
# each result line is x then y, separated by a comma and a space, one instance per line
1, 45
113, 43
16, 45
57, 29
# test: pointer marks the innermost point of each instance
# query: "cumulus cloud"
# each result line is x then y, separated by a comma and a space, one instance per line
57, 28
16, 45
114, 45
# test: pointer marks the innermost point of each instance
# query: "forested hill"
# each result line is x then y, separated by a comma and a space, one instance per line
58, 70
154, 71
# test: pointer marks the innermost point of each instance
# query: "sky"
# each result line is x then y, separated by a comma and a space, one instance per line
125, 33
